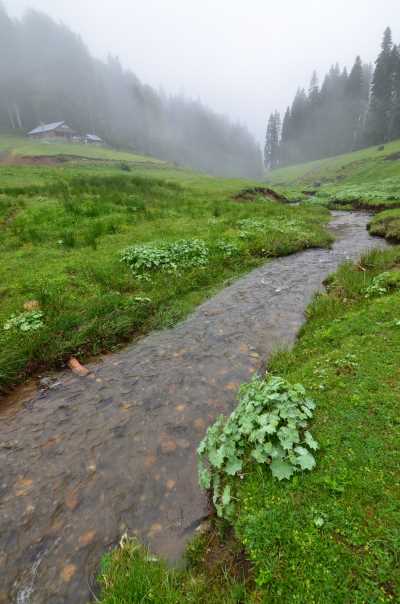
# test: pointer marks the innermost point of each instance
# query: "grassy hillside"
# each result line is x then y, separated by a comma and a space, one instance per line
64, 289
369, 179
22, 146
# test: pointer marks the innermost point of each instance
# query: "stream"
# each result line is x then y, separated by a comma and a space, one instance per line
90, 458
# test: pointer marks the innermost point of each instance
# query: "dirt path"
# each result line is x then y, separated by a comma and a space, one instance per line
94, 457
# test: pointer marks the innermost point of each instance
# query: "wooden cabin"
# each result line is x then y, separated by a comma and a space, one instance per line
56, 131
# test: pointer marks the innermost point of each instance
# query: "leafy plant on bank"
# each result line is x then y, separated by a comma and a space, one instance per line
168, 257
26, 321
226, 248
269, 426
249, 226
384, 283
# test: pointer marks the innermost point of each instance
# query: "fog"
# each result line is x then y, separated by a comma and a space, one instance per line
243, 59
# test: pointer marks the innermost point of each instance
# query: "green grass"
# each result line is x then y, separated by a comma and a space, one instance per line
331, 535
61, 237
386, 224
213, 573
368, 179
25, 147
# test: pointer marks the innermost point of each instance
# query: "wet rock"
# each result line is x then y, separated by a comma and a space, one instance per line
77, 368
199, 424
23, 486
72, 500
48, 383
87, 538
183, 443
155, 529
232, 386
150, 461
204, 527
68, 572
168, 446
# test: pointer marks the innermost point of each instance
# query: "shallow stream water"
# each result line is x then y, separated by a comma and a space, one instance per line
92, 458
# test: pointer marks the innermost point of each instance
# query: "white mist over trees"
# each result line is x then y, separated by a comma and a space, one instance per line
47, 74
349, 111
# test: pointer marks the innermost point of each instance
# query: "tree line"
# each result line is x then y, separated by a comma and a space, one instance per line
47, 74
347, 112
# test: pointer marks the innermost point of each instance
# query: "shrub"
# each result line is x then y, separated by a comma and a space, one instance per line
249, 226
383, 284
26, 321
169, 257
226, 248
269, 426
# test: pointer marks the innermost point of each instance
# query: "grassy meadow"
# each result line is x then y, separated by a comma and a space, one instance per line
21, 146
367, 179
64, 289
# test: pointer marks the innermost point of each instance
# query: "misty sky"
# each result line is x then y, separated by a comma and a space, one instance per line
243, 58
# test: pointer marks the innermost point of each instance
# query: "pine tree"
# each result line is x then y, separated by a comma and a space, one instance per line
299, 113
355, 80
394, 125
286, 126
378, 124
313, 91
284, 147
349, 110
272, 140
367, 80
356, 103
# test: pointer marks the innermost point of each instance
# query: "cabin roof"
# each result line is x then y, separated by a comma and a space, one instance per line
48, 127
94, 137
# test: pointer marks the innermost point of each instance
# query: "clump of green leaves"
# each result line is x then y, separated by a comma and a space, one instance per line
269, 426
249, 226
383, 284
226, 248
168, 257
26, 321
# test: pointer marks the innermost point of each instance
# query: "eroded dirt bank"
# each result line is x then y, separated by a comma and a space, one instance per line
94, 457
